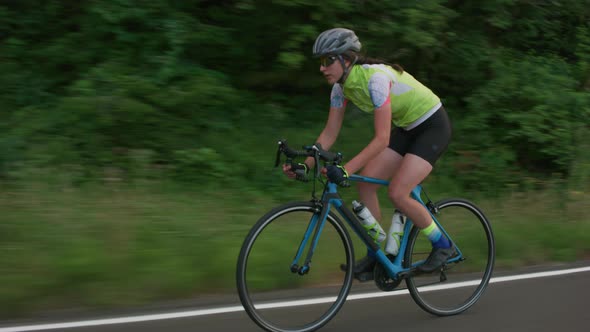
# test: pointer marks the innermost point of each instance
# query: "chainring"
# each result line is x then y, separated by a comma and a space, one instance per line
382, 279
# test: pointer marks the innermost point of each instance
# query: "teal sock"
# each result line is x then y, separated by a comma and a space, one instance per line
436, 236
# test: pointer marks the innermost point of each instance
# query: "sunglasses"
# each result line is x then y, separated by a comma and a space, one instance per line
326, 61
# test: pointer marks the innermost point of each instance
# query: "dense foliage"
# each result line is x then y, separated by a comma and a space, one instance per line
189, 89
118, 120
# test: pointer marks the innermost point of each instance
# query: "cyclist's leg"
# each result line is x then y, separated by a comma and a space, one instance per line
384, 166
412, 171
429, 140
381, 167
427, 143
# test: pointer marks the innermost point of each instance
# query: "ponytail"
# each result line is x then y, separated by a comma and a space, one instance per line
365, 60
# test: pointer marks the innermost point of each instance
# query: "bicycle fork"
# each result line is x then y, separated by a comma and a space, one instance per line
318, 221
315, 227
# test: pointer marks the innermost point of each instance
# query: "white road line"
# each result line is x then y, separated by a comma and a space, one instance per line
194, 313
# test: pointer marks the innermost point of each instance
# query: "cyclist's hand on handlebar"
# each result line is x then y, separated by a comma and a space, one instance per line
338, 175
288, 172
297, 171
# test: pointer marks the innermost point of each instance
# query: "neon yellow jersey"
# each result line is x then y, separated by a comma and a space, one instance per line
370, 86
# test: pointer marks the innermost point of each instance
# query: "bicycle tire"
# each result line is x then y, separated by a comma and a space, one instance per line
476, 242
249, 266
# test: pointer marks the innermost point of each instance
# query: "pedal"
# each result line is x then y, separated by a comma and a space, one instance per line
364, 276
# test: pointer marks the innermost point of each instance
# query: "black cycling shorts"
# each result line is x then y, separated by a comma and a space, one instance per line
428, 141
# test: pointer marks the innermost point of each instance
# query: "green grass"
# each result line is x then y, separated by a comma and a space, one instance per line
103, 246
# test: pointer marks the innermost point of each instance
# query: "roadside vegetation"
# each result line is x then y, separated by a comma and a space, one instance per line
137, 141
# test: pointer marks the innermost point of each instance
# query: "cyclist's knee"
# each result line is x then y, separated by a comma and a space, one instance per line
399, 197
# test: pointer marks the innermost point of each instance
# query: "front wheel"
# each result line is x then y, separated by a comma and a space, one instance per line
281, 299
462, 280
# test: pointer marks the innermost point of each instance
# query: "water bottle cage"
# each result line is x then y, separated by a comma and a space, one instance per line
373, 231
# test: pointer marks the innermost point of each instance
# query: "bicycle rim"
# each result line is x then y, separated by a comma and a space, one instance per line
464, 280
279, 300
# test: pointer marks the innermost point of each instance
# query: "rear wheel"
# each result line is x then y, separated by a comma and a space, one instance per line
463, 279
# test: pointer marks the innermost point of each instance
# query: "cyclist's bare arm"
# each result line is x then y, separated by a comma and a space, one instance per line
326, 139
331, 130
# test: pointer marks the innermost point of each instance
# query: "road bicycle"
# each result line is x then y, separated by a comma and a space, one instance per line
281, 291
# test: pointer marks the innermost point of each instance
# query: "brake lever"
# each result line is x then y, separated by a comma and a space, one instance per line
279, 150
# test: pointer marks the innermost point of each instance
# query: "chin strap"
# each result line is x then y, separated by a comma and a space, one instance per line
346, 70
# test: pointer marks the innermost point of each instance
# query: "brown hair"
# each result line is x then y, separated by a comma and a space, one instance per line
365, 60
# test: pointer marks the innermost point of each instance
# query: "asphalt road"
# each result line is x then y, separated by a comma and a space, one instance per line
535, 302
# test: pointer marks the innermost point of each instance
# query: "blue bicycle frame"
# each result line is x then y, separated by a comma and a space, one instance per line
331, 198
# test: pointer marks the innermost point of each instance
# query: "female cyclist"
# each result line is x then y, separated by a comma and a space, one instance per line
411, 132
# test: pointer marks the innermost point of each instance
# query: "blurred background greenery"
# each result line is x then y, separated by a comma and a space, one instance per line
137, 138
